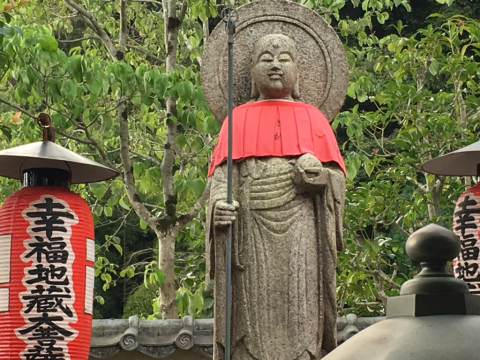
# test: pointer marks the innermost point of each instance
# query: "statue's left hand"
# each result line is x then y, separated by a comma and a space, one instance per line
309, 173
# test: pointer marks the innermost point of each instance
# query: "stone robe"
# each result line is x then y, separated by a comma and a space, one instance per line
285, 241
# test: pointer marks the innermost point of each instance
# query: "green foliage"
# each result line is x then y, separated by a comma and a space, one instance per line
413, 95
424, 89
197, 304
140, 303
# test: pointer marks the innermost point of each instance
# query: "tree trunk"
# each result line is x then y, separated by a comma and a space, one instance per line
167, 235
166, 262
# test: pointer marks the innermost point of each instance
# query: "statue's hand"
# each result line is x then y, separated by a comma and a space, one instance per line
225, 213
310, 173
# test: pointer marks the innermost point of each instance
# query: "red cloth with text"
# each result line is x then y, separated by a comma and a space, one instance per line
47, 275
277, 128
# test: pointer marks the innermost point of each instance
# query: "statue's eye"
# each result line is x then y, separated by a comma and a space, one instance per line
284, 58
266, 58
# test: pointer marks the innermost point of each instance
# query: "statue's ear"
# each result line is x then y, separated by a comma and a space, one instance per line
255, 94
296, 90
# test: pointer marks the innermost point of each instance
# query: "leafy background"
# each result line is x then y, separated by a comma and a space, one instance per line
121, 82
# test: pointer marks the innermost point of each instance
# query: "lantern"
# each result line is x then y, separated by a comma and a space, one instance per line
466, 217
47, 254
466, 225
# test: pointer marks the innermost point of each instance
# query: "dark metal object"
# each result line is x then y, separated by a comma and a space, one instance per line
45, 122
462, 162
46, 154
434, 317
230, 27
46, 177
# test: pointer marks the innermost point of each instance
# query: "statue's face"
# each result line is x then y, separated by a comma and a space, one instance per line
275, 70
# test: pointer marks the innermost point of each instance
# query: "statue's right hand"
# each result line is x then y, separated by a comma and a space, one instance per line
225, 213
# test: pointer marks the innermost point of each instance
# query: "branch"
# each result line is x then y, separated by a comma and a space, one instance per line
155, 161
128, 176
402, 230
94, 25
18, 108
155, 59
123, 30
183, 11
78, 40
380, 274
100, 150
184, 219
148, 1
72, 137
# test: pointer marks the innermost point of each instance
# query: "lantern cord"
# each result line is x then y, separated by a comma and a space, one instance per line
45, 122
229, 16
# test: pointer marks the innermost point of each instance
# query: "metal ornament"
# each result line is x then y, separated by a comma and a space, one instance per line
46, 154
230, 28
462, 162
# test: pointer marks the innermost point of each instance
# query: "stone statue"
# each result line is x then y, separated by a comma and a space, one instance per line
289, 189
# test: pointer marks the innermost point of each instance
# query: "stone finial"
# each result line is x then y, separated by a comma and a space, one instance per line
433, 291
432, 246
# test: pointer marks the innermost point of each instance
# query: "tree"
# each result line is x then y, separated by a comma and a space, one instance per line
117, 73
423, 90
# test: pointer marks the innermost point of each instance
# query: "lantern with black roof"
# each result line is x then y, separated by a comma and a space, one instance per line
47, 252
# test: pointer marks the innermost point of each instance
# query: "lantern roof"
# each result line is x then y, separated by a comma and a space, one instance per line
435, 317
47, 154
462, 162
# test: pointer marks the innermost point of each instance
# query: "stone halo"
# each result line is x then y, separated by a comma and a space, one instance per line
323, 66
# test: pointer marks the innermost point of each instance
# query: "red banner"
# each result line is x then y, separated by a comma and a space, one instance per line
46, 275
466, 224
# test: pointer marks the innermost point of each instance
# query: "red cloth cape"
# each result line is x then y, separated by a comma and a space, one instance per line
277, 128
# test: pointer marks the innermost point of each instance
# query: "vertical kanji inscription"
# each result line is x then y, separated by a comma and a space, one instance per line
48, 299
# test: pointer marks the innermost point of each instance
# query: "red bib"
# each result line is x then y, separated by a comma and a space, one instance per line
277, 128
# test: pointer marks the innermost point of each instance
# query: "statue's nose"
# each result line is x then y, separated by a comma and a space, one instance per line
275, 65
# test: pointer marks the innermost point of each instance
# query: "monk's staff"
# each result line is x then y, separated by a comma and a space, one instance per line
230, 27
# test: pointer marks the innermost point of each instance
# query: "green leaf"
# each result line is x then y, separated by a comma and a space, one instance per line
48, 43
207, 303
123, 204
8, 17
197, 186
94, 82
106, 123
143, 224
160, 84
75, 67
198, 301
119, 248
69, 89
160, 276
108, 210
98, 190
434, 66
136, 99
351, 90
60, 121
181, 141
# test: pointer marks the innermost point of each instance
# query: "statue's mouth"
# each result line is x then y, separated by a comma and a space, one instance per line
275, 76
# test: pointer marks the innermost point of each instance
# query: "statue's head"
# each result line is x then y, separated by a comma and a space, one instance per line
274, 70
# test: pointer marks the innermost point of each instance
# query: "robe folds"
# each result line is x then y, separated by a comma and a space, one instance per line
285, 240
